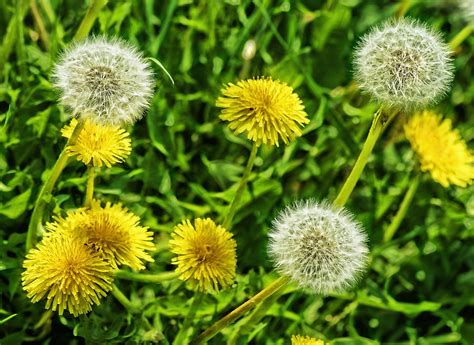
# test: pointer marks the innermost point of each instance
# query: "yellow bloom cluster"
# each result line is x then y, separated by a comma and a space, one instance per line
206, 254
73, 265
266, 109
98, 144
440, 149
305, 340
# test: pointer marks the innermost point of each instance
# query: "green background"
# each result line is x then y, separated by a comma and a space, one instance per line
185, 163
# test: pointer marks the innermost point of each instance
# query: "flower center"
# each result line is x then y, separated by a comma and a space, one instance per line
103, 81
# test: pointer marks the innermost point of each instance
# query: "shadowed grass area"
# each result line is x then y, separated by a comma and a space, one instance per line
186, 163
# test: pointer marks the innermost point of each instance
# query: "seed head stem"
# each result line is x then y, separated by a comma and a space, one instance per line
239, 311
379, 123
88, 21
461, 36
47, 188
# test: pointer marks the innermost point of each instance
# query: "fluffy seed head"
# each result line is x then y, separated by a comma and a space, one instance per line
205, 254
268, 110
105, 80
440, 149
112, 231
403, 64
98, 144
318, 246
71, 276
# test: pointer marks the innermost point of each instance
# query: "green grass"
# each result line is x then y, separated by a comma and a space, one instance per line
186, 163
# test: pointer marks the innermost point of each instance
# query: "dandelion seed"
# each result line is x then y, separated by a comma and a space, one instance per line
305, 340
98, 144
318, 247
440, 149
104, 80
403, 64
112, 231
266, 109
68, 274
206, 254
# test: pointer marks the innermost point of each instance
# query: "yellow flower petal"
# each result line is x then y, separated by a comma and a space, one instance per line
98, 144
205, 254
266, 109
440, 149
305, 340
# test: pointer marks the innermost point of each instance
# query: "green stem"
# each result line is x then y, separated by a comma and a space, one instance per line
403, 8
122, 299
90, 185
243, 182
402, 211
461, 36
45, 192
257, 314
274, 287
188, 320
379, 123
88, 21
146, 278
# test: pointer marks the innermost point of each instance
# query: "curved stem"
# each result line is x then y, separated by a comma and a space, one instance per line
239, 311
403, 8
45, 192
146, 278
379, 123
461, 36
402, 211
227, 223
90, 185
88, 21
188, 320
122, 299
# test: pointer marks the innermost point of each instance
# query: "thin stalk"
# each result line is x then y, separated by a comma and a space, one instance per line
146, 278
243, 182
403, 8
379, 123
188, 320
39, 22
90, 185
461, 36
45, 192
122, 299
402, 211
241, 310
88, 21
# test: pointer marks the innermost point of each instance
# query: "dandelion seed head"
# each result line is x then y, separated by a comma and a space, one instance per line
403, 64
68, 274
467, 9
318, 246
440, 149
266, 109
205, 254
104, 80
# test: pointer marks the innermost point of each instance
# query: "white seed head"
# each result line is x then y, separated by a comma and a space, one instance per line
403, 64
105, 80
467, 9
318, 246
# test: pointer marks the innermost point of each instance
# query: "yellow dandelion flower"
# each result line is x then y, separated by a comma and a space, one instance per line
305, 340
440, 149
67, 273
99, 144
268, 110
112, 231
205, 254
